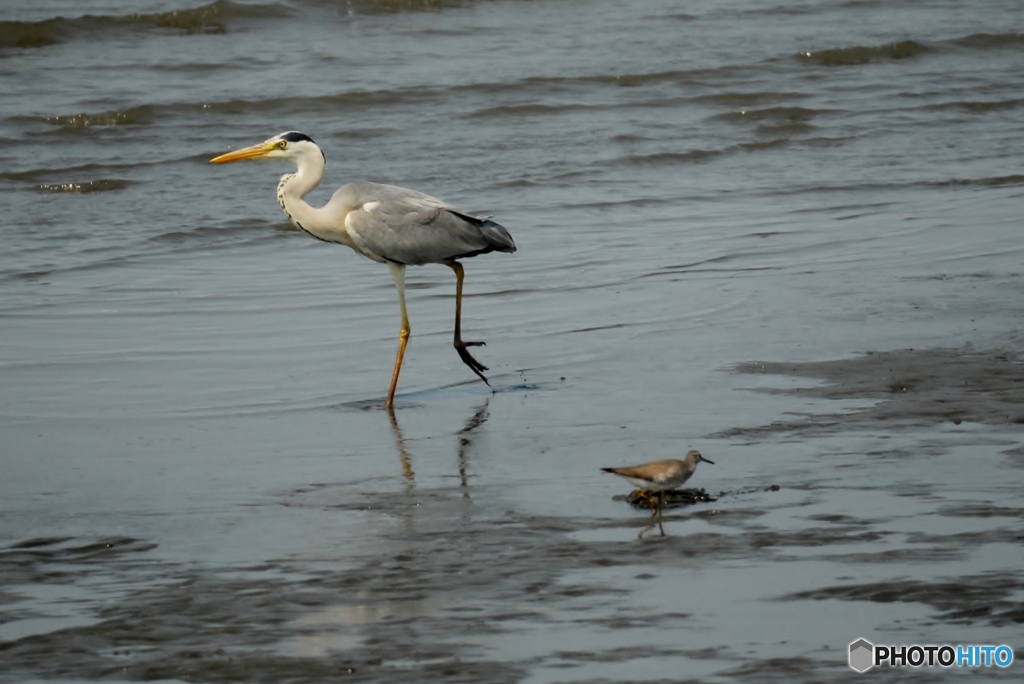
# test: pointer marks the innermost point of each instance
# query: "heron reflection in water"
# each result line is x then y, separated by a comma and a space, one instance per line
465, 436
385, 223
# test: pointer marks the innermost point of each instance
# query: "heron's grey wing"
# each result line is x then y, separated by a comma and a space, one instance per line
408, 227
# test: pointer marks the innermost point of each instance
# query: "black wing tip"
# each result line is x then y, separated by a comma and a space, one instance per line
498, 239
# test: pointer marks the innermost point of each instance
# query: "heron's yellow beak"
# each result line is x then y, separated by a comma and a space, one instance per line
254, 152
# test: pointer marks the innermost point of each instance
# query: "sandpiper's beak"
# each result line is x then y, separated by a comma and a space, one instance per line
707, 461
253, 152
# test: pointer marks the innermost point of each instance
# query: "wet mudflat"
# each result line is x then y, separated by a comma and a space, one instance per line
918, 387
485, 574
788, 237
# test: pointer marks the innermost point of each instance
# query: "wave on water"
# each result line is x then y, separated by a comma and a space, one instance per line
211, 18
990, 40
979, 106
860, 54
748, 99
665, 158
993, 182
47, 176
779, 123
102, 185
142, 114
770, 115
560, 84
233, 233
390, 6
698, 156
148, 114
370, 99
514, 97
768, 144
528, 109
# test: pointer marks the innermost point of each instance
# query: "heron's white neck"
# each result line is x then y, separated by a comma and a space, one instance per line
323, 223
295, 186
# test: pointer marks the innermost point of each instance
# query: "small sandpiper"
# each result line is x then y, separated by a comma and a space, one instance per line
660, 476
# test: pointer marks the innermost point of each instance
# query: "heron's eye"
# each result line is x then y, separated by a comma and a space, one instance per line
282, 144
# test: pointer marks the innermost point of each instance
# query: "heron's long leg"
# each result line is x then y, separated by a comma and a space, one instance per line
460, 346
398, 273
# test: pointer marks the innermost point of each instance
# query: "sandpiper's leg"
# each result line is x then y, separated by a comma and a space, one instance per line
661, 504
398, 273
656, 523
460, 346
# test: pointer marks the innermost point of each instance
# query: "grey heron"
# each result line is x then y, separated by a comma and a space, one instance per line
385, 223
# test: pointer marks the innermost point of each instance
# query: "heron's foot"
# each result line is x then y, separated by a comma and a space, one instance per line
468, 359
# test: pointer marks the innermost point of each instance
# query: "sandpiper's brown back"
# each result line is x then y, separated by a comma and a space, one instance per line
656, 471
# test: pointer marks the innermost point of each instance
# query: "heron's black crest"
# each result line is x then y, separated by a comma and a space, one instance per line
295, 136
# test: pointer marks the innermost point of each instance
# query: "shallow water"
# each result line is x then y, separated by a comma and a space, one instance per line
787, 235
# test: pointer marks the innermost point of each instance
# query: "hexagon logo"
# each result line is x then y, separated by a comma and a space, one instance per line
862, 655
